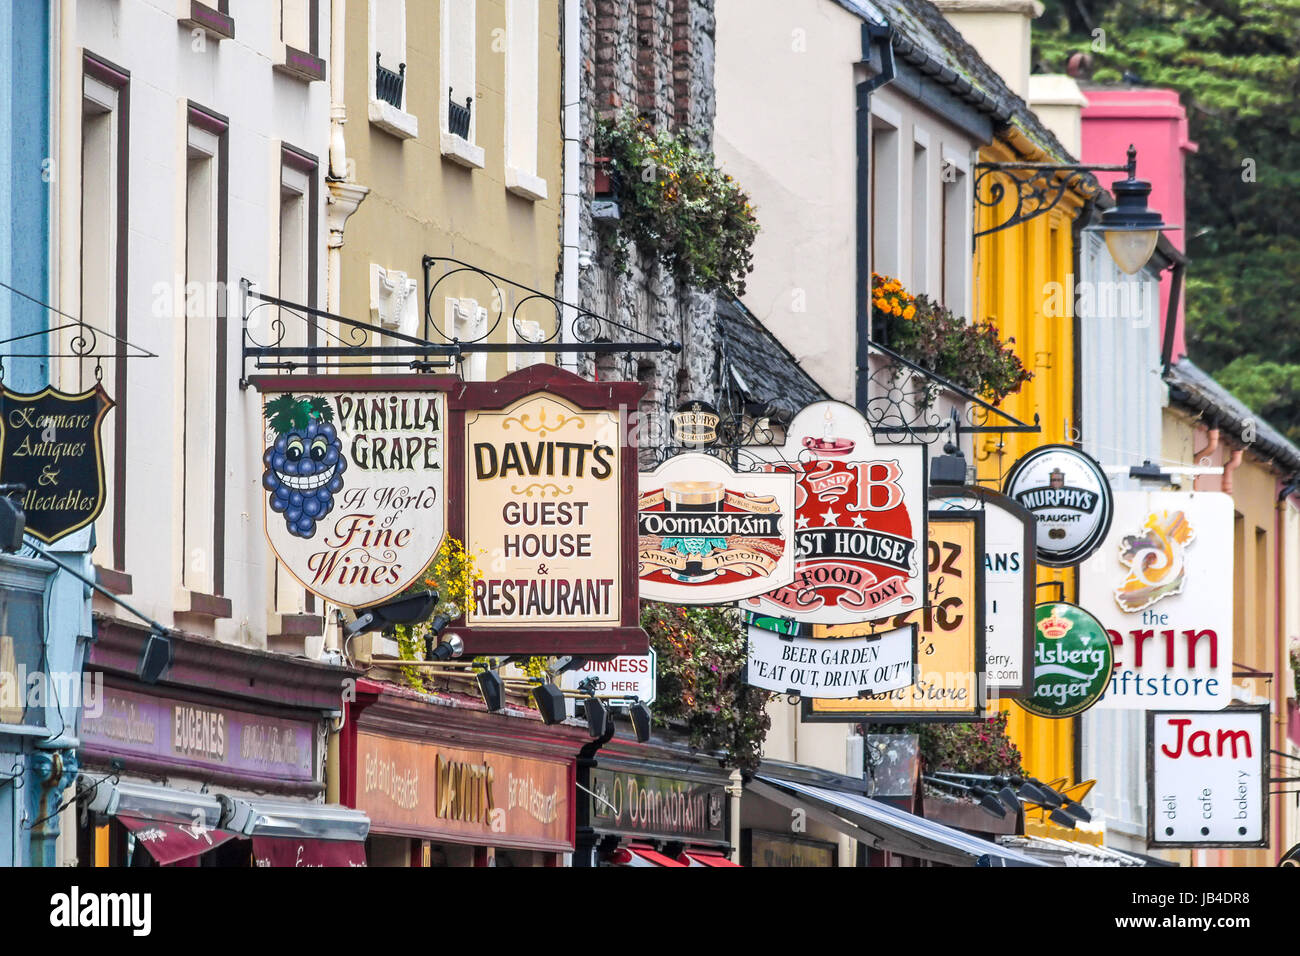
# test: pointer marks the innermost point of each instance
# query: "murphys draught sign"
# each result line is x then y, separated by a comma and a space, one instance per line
353, 482
860, 521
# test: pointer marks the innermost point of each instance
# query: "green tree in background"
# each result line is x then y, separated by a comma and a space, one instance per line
1236, 66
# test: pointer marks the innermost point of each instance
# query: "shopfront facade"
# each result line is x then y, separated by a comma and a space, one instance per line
445, 783
219, 763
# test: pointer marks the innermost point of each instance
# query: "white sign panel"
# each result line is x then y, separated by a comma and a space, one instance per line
1208, 778
832, 668
1161, 585
628, 675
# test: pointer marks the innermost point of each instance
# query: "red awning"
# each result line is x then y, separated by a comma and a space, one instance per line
173, 843
652, 856
287, 851
708, 858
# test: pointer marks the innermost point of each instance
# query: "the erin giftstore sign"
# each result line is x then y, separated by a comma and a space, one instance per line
50, 444
353, 483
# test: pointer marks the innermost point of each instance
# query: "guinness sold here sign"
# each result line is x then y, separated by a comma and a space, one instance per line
353, 481
1070, 498
859, 525
50, 443
711, 535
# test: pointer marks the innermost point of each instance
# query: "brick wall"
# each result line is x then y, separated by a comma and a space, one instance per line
655, 57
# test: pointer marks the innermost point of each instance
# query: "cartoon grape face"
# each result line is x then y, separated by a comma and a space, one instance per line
305, 465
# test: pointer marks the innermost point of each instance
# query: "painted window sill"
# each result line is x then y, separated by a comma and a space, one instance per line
193, 15
203, 605
462, 152
392, 120
299, 64
526, 185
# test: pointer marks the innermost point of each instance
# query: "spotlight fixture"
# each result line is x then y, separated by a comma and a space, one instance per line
597, 716
1061, 819
1031, 793
403, 610
1008, 797
640, 716
492, 688
948, 468
1051, 799
155, 656
1076, 810
549, 701
988, 802
451, 647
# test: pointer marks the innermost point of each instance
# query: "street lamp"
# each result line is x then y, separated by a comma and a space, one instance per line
1131, 229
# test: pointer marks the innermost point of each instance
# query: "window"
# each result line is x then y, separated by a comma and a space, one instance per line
954, 248
103, 259
295, 24
296, 55
203, 416
521, 100
920, 216
886, 213
388, 69
458, 89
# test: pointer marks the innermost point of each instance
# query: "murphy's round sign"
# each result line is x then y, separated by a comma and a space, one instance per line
1072, 661
710, 535
1070, 499
353, 486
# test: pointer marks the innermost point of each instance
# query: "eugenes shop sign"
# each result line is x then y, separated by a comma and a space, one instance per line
50, 443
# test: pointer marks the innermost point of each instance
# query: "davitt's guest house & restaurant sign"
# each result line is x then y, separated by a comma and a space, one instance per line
50, 444
354, 481
859, 525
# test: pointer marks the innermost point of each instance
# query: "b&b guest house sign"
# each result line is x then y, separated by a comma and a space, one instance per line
711, 535
50, 443
860, 521
353, 481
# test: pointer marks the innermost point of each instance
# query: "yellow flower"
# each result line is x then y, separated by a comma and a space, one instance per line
909, 312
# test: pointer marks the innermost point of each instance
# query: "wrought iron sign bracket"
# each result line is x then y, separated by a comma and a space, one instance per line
576, 330
1039, 187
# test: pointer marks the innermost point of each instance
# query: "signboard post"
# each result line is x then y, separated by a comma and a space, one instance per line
860, 525
1162, 586
1207, 778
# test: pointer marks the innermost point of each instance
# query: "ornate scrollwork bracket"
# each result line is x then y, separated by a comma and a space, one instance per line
1038, 187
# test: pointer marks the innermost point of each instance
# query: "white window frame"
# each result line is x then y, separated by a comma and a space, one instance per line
389, 118
956, 260
458, 149
887, 217
522, 126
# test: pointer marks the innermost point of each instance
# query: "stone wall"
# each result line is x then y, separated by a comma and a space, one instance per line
654, 57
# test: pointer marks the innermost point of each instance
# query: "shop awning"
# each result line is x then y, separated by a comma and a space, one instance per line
286, 833
650, 856
172, 843
287, 851
708, 858
1068, 853
887, 828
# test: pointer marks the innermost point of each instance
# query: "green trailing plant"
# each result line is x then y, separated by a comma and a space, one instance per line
676, 203
1295, 669
972, 355
702, 655
980, 747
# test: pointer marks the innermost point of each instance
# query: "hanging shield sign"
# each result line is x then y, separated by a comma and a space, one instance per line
860, 525
50, 442
354, 485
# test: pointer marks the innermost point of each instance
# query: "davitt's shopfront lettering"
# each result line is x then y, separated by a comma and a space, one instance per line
354, 487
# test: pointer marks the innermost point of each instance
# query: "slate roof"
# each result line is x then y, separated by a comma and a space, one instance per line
1192, 388
922, 37
756, 366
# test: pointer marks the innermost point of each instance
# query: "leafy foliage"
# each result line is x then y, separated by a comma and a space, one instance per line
702, 654
972, 355
1236, 66
286, 413
980, 747
452, 573
675, 202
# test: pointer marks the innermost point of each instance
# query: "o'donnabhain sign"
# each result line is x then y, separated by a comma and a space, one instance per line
1072, 661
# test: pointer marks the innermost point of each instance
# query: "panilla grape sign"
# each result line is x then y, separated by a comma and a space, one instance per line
859, 525
711, 535
353, 484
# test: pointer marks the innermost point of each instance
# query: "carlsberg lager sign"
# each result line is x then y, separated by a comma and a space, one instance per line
1072, 661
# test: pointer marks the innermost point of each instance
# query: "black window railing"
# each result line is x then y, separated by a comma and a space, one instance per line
388, 85
458, 116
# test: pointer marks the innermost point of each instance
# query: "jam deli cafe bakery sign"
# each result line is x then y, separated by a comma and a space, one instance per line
354, 480
1070, 498
860, 521
184, 734
1207, 778
1010, 572
50, 443
1161, 585
549, 486
411, 788
950, 638
711, 535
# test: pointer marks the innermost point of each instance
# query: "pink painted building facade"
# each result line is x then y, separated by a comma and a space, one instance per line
1155, 122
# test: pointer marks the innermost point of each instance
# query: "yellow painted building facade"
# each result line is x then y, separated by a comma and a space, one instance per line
1019, 276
